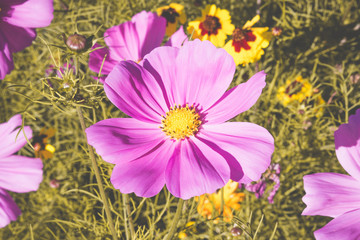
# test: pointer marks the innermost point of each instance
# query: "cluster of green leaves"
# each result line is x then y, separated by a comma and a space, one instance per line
319, 40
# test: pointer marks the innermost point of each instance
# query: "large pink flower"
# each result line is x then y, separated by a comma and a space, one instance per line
18, 20
132, 40
177, 135
17, 173
337, 195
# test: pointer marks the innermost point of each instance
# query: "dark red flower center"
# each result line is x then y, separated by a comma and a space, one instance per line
170, 15
211, 25
293, 88
241, 37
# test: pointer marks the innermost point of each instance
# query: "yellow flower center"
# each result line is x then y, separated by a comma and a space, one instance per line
181, 122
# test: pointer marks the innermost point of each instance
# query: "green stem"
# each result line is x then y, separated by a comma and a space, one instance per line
98, 177
127, 234
176, 219
127, 211
273, 81
346, 103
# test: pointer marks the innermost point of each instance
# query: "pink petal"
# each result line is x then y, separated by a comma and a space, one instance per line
145, 175
7, 127
96, 59
237, 100
178, 38
236, 171
134, 91
344, 227
119, 140
12, 140
250, 144
31, 14
20, 174
151, 31
203, 73
330, 194
17, 38
195, 169
9, 211
347, 145
6, 62
123, 42
161, 64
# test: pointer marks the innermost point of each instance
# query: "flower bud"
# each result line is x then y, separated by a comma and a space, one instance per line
235, 231
78, 43
276, 31
54, 183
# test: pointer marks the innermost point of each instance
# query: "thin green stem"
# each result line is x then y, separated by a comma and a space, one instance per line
176, 219
127, 234
98, 177
129, 218
273, 81
346, 103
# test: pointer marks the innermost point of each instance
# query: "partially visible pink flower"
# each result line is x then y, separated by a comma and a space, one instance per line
275, 178
259, 187
18, 20
337, 195
132, 40
67, 67
178, 38
178, 135
17, 173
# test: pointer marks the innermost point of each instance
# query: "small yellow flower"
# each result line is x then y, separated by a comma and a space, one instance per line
190, 228
247, 42
294, 91
214, 25
44, 150
174, 14
210, 204
300, 91
182, 235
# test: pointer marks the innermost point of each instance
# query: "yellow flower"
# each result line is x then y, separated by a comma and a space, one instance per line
294, 91
182, 235
174, 14
214, 25
190, 228
300, 91
247, 42
44, 150
210, 204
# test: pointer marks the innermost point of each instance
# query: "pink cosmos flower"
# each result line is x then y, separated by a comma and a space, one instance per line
177, 134
18, 20
337, 195
132, 40
17, 173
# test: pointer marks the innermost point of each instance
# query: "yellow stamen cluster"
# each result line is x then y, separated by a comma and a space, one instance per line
180, 122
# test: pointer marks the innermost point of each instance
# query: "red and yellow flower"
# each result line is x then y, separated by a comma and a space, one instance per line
214, 25
210, 204
174, 15
247, 43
